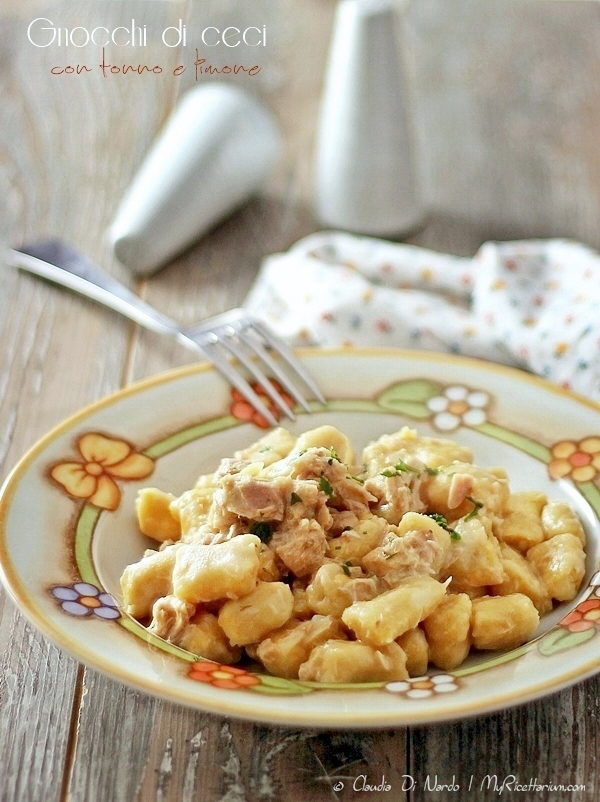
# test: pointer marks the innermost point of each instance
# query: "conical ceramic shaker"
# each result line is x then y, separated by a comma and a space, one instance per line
215, 151
366, 181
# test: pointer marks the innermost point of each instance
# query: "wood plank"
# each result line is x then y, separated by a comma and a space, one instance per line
37, 682
550, 742
68, 145
163, 752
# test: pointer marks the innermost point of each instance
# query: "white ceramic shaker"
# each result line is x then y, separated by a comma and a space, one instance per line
215, 151
366, 179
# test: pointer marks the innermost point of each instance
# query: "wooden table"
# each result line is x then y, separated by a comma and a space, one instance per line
508, 113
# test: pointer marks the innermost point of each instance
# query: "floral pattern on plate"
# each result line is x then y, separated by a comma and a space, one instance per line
84, 599
456, 406
423, 687
579, 461
242, 409
231, 678
104, 459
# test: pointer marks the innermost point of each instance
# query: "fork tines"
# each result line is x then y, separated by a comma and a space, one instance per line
255, 347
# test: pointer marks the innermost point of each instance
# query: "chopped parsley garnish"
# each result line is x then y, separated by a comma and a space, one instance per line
266, 448
325, 486
399, 468
346, 567
432, 471
402, 466
356, 479
477, 505
262, 530
347, 529
442, 521
295, 498
332, 455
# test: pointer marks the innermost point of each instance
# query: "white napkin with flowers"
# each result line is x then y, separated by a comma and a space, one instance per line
531, 304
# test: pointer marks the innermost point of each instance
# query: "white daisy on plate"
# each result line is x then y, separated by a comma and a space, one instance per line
422, 687
458, 405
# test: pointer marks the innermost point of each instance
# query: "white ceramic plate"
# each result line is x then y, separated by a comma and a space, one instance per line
62, 550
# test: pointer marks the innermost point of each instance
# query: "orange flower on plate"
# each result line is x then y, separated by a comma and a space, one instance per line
244, 411
222, 676
585, 616
104, 460
580, 461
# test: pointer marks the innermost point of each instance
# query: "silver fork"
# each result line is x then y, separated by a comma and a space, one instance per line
236, 332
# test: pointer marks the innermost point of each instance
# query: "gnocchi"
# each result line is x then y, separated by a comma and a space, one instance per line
324, 570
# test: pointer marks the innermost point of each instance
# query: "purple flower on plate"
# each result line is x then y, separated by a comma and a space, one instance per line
83, 599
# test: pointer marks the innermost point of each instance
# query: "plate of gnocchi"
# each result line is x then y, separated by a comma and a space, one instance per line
423, 547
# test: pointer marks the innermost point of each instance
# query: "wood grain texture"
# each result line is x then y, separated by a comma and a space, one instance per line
159, 751
554, 741
508, 109
67, 148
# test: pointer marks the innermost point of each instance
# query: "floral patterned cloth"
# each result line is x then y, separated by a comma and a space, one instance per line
532, 304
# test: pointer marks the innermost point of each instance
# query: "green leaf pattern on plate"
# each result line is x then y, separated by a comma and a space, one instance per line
560, 639
278, 685
409, 397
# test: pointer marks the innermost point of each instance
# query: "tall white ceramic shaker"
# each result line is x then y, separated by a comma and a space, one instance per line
366, 179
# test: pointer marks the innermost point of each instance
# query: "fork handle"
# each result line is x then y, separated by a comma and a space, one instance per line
83, 276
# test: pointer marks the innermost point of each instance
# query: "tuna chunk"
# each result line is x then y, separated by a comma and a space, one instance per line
230, 466
254, 499
395, 495
342, 520
307, 500
460, 487
333, 478
302, 548
169, 616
